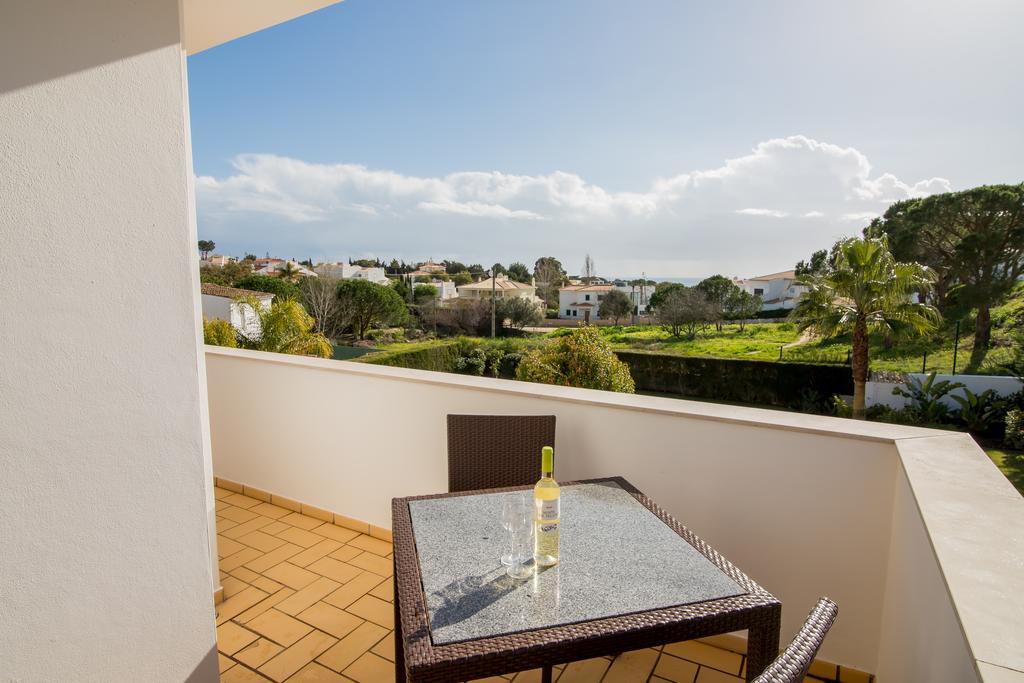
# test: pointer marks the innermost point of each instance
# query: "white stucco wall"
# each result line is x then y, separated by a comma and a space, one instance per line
105, 571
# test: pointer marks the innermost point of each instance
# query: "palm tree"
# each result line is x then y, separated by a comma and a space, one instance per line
285, 327
289, 271
865, 291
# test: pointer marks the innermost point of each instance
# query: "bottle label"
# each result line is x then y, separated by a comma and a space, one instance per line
549, 510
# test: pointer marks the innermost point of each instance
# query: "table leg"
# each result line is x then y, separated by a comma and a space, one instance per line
763, 642
399, 645
545, 674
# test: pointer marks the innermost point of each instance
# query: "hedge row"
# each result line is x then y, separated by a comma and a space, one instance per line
440, 357
759, 382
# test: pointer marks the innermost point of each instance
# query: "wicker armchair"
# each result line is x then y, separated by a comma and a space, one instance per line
791, 666
490, 451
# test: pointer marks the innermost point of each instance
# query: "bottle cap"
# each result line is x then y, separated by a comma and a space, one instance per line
547, 459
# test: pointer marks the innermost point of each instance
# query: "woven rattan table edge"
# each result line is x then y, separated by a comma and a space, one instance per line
424, 661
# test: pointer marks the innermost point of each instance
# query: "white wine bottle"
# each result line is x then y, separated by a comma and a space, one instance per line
547, 511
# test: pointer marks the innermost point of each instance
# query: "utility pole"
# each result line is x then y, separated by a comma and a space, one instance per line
494, 277
956, 345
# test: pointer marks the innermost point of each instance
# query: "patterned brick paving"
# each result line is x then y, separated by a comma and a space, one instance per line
309, 601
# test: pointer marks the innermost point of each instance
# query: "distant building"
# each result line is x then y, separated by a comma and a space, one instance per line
222, 302
275, 266
217, 260
777, 290
580, 302
445, 289
347, 271
503, 288
431, 267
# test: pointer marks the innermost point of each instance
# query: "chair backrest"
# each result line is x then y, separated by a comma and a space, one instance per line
791, 666
490, 451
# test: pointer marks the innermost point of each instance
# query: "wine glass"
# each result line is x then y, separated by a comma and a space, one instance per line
522, 532
513, 509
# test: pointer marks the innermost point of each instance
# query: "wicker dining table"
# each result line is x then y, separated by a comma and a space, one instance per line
629, 577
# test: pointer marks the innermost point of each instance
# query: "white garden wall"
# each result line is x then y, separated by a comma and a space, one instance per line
880, 393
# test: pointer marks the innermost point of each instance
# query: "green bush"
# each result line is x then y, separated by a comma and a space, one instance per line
217, 332
440, 356
770, 383
582, 359
280, 288
1014, 435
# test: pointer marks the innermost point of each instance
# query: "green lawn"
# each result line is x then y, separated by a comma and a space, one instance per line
1011, 463
765, 341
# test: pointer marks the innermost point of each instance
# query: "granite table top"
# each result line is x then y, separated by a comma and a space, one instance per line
617, 558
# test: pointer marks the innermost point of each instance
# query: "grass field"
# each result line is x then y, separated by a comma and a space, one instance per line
1011, 463
782, 341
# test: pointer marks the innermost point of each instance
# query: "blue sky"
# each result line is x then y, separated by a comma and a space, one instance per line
676, 138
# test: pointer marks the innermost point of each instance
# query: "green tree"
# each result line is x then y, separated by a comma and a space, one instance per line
518, 312
462, 277
549, 276
281, 289
370, 304
285, 327
614, 305
685, 309
519, 272
579, 359
740, 306
206, 246
424, 279
866, 290
453, 267
716, 290
816, 265
973, 240
661, 292
424, 293
217, 332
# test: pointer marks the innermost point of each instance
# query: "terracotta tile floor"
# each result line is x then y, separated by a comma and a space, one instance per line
307, 601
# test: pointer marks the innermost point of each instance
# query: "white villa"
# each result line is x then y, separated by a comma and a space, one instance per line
777, 290
347, 271
222, 302
446, 289
502, 287
581, 301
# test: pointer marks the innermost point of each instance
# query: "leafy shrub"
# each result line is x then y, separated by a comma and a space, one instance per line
926, 396
581, 358
979, 413
841, 408
279, 287
219, 332
473, 363
1014, 435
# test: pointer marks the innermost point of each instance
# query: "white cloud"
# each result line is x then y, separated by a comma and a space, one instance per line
762, 212
694, 223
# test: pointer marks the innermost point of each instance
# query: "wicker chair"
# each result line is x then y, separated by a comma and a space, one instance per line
490, 451
791, 666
